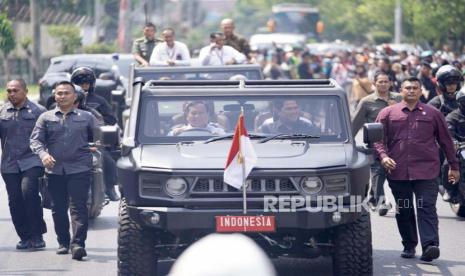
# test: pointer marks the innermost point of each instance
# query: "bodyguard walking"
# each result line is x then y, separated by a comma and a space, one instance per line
410, 155
21, 168
61, 139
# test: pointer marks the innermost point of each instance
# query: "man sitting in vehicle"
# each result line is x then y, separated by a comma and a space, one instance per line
197, 117
287, 119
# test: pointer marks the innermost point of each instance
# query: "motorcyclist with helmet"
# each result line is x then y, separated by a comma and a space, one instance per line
456, 124
85, 78
449, 80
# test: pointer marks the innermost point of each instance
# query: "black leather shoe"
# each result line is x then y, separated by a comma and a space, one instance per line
408, 253
446, 196
111, 194
23, 244
38, 242
430, 253
62, 249
78, 252
384, 208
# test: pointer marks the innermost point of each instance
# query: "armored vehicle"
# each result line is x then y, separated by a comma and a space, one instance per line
174, 151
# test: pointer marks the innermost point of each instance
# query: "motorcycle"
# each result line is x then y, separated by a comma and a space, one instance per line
457, 203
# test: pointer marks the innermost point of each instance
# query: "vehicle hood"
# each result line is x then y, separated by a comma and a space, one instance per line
271, 155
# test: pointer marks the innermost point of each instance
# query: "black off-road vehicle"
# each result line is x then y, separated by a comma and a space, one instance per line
172, 185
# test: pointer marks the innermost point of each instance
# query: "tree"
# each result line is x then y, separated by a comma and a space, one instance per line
68, 36
7, 41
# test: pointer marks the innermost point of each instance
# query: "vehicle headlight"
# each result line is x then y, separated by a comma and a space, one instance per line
311, 185
175, 186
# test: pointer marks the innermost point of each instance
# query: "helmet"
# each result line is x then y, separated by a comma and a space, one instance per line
84, 75
448, 74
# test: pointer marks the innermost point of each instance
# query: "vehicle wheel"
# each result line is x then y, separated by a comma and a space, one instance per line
136, 246
96, 199
458, 209
353, 249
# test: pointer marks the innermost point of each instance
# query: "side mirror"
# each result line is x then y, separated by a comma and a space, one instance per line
117, 96
109, 135
372, 133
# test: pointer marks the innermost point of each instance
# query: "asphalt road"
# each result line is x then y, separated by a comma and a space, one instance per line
101, 248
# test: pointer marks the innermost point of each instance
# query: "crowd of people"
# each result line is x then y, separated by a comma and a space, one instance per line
429, 111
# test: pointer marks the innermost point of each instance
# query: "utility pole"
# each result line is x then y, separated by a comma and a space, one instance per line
36, 52
398, 22
98, 10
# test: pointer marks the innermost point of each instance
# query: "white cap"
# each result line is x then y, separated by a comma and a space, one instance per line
223, 255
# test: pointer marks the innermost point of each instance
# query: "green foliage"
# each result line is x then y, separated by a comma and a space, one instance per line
7, 38
434, 21
100, 48
380, 37
69, 37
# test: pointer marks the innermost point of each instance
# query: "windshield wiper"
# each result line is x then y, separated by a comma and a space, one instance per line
287, 136
227, 136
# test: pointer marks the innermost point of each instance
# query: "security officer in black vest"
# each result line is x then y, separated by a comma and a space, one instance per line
85, 78
456, 124
21, 169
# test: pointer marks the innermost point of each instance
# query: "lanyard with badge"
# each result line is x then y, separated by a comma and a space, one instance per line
171, 53
220, 56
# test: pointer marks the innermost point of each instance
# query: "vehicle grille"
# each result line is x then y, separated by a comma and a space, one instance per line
209, 185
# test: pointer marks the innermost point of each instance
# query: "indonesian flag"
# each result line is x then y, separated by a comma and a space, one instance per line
241, 157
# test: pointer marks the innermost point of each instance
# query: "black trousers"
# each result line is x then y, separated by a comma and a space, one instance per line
70, 191
25, 202
426, 193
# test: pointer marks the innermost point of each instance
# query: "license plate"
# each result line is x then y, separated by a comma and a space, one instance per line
245, 224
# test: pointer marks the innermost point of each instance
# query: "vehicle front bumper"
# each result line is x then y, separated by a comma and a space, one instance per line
179, 219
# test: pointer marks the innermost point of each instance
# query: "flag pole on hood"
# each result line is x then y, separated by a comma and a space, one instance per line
241, 160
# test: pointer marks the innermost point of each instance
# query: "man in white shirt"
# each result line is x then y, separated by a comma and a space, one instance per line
219, 54
170, 52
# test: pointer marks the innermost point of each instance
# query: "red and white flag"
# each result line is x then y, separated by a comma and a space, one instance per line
241, 157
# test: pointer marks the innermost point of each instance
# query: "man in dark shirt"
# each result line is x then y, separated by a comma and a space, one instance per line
231, 39
303, 69
427, 82
409, 153
288, 121
21, 168
61, 139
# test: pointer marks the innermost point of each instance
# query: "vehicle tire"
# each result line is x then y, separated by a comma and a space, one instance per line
353, 249
96, 199
458, 209
136, 246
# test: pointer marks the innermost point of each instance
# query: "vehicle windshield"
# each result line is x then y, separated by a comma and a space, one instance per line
204, 75
175, 119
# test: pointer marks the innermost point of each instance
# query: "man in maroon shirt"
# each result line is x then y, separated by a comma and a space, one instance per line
410, 155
